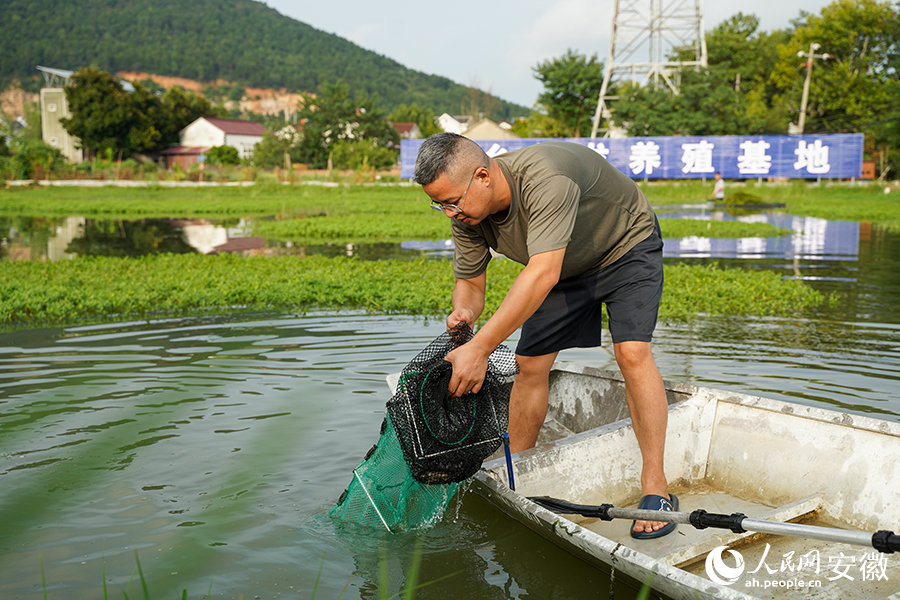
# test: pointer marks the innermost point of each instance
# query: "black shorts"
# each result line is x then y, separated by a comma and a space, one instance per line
572, 314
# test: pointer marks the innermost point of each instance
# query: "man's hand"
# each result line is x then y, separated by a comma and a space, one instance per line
460, 315
470, 363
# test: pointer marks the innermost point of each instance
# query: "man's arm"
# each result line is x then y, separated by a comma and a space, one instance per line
468, 300
524, 297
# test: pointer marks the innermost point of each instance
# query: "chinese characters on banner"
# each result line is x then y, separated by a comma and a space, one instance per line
735, 157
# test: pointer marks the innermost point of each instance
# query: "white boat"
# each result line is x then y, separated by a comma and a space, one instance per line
726, 453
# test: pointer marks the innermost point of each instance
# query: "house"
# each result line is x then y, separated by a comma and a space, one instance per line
408, 131
486, 129
208, 132
455, 124
197, 138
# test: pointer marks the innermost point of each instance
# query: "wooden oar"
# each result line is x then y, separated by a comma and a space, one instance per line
883, 541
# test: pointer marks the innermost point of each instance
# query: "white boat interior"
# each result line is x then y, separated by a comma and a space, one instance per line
725, 453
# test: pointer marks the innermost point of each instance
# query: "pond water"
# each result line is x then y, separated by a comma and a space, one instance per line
212, 448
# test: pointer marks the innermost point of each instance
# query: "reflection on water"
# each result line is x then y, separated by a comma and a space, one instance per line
69, 237
53, 239
128, 238
215, 447
810, 238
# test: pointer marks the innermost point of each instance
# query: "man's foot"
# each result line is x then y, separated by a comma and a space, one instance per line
648, 530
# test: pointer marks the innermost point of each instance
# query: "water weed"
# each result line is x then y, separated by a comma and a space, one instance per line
104, 288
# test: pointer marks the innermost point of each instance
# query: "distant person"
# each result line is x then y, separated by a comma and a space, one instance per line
587, 236
719, 188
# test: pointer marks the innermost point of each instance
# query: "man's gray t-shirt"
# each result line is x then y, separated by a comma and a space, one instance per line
564, 195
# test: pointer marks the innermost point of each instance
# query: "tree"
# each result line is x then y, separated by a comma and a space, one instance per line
707, 104
571, 89
355, 154
747, 54
421, 116
102, 113
856, 86
539, 124
223, 155
333, 115
269, 153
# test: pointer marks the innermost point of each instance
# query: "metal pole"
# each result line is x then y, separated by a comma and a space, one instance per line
883, 541
809, 65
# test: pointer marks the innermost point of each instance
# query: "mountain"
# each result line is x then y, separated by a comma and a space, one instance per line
207, 40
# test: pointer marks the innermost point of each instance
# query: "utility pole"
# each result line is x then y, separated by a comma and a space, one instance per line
809, 65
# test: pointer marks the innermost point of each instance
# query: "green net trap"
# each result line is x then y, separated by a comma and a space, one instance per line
429, 442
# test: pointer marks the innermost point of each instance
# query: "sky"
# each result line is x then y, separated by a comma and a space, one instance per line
495, 44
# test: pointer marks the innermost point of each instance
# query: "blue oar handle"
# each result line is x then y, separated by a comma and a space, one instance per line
509, 469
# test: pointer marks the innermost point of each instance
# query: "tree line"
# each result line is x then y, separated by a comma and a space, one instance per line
234, 40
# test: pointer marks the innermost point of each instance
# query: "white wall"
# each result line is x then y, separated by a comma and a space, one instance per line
202, 133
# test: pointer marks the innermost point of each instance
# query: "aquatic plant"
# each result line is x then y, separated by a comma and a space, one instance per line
105, 288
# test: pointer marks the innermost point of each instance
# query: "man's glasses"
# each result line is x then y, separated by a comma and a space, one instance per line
454, 208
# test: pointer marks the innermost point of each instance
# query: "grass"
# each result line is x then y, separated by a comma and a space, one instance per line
104, 288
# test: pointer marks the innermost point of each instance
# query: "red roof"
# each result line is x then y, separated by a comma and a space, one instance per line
403, 127
233, 127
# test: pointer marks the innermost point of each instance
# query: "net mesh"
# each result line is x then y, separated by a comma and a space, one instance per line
429, 442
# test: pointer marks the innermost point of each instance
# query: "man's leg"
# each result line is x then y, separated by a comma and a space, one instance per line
647, 404
528, 400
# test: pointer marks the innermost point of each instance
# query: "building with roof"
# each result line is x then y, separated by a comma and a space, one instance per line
208, 132
408, 131
487, 129
455, 124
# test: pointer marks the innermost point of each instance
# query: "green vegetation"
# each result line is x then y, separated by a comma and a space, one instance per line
680, 228
742, 197
105, 288
245, 42
571, 89
333, 117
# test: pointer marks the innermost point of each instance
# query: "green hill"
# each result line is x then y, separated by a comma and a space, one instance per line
236, 40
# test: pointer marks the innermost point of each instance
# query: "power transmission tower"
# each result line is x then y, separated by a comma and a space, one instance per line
659, 28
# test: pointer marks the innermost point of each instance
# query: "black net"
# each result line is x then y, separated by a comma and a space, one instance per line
429, 442
444, 439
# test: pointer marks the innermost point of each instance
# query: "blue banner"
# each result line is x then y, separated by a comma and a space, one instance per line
836, 156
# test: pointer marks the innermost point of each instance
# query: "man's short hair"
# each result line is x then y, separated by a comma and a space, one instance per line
447, 153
